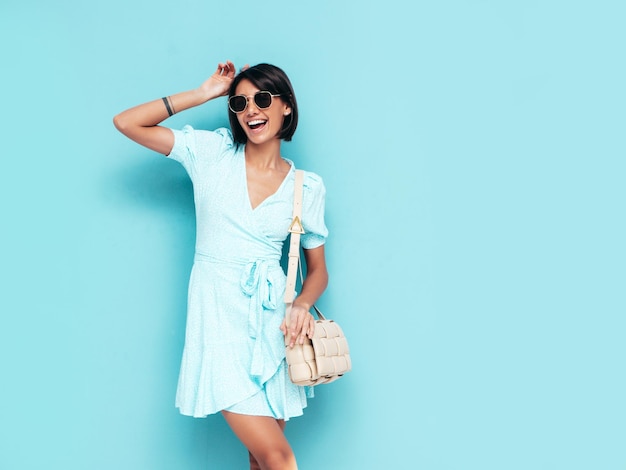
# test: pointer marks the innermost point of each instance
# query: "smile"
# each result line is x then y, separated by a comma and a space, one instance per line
256, 124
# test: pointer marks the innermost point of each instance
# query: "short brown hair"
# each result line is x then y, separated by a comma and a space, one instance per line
266, 77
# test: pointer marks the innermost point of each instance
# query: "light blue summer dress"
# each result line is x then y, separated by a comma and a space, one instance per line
234, 356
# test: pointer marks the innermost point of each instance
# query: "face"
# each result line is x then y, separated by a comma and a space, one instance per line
260, 124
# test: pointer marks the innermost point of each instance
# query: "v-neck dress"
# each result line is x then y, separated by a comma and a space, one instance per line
234, 353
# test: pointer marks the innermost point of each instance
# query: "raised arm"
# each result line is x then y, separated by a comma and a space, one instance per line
141, 123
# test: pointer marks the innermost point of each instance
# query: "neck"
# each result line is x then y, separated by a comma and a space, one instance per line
265, 155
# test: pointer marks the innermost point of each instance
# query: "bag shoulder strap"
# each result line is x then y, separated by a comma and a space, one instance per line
295, 229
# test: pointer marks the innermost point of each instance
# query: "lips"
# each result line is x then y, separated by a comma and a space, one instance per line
256, 124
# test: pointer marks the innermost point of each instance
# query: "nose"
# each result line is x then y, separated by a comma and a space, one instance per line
252, 107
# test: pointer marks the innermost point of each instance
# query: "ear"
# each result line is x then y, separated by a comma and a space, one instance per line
286, 109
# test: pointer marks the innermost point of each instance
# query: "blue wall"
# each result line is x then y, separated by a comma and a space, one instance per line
473, 153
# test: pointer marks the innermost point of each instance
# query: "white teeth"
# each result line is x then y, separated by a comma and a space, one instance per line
256, 122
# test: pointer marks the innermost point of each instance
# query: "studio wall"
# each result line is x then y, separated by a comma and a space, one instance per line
473, 155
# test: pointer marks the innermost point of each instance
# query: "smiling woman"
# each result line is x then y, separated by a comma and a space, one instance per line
254, 90
234, 355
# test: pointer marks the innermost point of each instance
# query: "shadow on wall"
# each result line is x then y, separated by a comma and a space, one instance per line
155, 183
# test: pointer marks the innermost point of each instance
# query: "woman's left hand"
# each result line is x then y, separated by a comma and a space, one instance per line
301, 325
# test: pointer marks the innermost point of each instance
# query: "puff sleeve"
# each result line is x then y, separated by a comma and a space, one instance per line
313, 206
192, 148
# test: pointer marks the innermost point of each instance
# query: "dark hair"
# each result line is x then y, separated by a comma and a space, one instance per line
270, 78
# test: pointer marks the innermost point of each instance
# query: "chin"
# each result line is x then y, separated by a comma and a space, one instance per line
261, 139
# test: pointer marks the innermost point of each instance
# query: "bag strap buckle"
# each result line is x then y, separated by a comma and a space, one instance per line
296, 226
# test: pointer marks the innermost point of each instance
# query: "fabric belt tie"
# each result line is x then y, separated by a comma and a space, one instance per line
256, 284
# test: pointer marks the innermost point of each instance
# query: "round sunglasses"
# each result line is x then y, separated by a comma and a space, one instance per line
239, 103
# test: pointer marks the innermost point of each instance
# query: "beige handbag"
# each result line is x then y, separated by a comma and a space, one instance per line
326, 356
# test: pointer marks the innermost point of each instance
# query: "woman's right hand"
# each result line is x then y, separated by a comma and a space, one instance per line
219, 83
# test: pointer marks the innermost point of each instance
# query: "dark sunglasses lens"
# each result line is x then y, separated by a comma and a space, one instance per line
237, 103
263, 99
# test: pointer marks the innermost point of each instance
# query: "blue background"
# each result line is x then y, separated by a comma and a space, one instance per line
473, 153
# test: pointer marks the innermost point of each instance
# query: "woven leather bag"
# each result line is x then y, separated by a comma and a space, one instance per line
325, 357
322, 359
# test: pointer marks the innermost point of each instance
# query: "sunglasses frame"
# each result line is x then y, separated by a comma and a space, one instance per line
263, 92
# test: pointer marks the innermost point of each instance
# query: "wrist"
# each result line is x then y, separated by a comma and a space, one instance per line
204, 94
300, 303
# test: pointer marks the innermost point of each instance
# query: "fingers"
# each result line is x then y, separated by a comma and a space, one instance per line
311, 329
231, 69
226, 69
308, 327
302, 326
297, 322
305, 332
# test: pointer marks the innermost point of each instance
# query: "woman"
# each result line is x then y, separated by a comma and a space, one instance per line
233, 360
